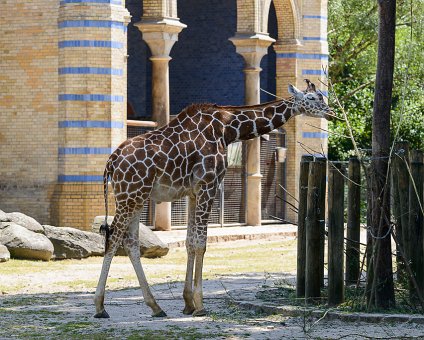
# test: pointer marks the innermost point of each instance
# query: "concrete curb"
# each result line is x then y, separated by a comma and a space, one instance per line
330, 315
237, 237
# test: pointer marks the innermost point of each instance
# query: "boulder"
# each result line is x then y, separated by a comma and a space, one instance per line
98, 221
25, 244
150, 245
3, 217
4, 253
71, 243
25, 221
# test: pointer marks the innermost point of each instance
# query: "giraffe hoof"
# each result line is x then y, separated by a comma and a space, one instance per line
102, 315
160, 314
201, 312
188, 310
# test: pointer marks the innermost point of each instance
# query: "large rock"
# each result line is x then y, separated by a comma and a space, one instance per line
98, 221
3, 217
25, 244
71, 243
25, 221
150, 245
4, 253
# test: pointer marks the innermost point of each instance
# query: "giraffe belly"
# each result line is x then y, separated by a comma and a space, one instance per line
162, 193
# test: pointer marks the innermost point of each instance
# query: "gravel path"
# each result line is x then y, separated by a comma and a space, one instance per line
69, 316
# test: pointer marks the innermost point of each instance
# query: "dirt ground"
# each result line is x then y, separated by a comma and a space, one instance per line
55, 300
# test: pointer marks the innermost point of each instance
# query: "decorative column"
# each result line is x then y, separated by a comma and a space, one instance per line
160, 35
92, 45
253, 47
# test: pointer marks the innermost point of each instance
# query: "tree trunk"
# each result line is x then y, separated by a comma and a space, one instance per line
382, 295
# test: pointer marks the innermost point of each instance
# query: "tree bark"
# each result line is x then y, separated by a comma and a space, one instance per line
382, 295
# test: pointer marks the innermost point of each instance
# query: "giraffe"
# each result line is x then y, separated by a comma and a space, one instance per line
187, 157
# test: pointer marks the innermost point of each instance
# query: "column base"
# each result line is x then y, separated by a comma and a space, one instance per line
163, 216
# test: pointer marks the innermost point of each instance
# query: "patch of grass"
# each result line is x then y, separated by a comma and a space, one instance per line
174, 332
71, 327
220, 258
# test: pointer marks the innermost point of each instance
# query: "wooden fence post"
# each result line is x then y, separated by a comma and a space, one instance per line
416, 220
301, 233
353, 221
335, 234
403, 187
397, 213
317, 171
321, 217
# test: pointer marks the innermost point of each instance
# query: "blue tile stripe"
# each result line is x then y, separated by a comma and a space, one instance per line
313, 72
90, 124
91, 97
110, 2
91, 70
85, 151
302, 56
92, 23
79, 178
315, 38
321, 17
90, 43
321, 135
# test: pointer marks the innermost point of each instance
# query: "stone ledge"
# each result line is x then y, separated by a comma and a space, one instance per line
237, 237
295, 311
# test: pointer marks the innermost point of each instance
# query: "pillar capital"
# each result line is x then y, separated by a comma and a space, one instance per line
252, 46
160, 34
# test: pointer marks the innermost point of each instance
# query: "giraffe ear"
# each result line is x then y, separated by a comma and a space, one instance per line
295, 92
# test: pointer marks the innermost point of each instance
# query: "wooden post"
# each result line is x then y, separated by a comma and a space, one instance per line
403, 188
397, 212
353, 221
416, 220
301, 235
313, 231
335, 234
321, 218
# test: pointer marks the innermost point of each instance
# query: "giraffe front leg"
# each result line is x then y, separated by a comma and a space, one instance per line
204, 201
198, 281
188, 286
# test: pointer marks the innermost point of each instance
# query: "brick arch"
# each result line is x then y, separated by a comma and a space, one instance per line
288, 19
252, 16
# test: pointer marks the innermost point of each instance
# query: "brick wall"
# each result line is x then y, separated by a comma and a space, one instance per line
28, 106
205, 66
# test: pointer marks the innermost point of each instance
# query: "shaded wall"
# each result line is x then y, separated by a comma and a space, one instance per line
139, 66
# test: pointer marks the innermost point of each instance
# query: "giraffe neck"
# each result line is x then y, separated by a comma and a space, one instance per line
247, 122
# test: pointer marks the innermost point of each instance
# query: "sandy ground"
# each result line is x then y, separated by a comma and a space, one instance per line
62, 311
69, 315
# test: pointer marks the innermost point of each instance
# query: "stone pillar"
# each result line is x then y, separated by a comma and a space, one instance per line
160, 35
253, 48
91, 105
287, 72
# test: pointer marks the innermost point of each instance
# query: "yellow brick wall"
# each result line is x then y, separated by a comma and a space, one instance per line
28, 105
92, 90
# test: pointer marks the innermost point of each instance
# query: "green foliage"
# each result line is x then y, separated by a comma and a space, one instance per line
353, 27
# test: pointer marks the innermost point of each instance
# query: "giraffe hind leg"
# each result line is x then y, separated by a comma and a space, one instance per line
132, 247
107, 260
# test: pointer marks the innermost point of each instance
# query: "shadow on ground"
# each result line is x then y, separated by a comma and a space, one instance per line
70, 315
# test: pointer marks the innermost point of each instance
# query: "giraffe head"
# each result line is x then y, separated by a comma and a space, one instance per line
310, 102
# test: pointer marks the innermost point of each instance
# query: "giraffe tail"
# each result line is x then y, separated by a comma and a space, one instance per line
105, 228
